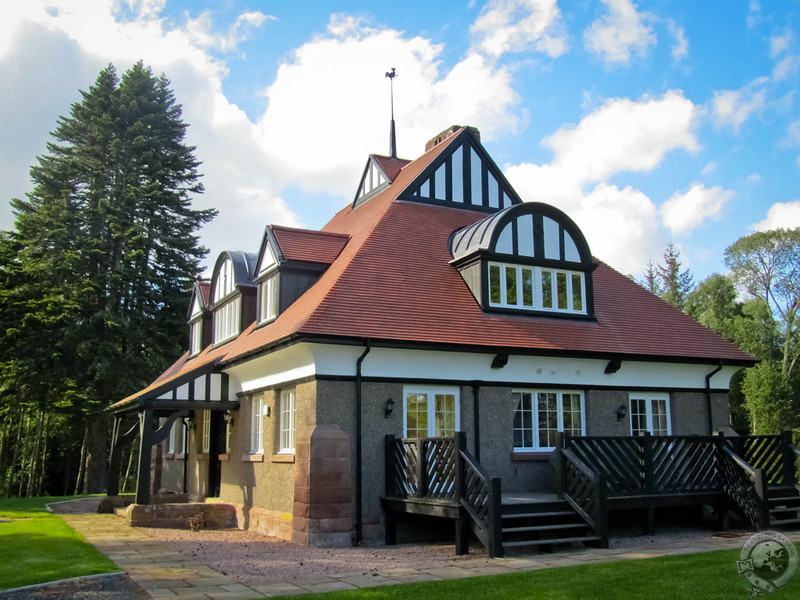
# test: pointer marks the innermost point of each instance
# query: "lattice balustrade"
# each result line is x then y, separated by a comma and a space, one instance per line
766, 452
684, 464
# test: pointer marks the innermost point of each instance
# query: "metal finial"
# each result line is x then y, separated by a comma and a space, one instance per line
392, 138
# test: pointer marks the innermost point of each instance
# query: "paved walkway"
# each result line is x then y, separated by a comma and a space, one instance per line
165, 573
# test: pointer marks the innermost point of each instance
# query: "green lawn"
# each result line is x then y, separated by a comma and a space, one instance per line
37, 547
707, 576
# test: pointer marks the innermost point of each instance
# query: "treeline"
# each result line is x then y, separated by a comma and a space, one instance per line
95, 279
756, 306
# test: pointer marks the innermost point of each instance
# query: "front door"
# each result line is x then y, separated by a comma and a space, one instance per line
216, 447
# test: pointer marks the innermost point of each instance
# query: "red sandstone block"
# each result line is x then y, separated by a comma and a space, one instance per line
329, 495
329, 511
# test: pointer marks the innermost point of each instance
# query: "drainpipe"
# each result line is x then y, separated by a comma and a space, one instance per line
185, 454
476, 413
359, 520
708, 396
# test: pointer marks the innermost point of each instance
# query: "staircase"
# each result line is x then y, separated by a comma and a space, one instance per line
543, 525
784, 507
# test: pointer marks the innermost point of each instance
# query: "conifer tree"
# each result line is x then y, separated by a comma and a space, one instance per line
676, 283
103, 254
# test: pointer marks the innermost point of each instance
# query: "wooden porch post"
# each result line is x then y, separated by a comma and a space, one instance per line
145, 455
462, 523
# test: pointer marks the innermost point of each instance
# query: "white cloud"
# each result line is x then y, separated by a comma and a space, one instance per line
784, 215
685, 211
335, 84
620, 33
733, 107
520, 25
753, 178
753, 14
621, 135
680, 48
792, 134
199, 30
785, 68
778, 44
710, 167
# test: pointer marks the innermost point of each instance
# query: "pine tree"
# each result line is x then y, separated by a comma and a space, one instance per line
676, 283
106, 250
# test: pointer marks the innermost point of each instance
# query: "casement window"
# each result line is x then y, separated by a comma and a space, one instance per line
540, 415
257, 424
205, 438
536, 288
430, 412
286, 436
226, 320
650, 413
195, 337
228, 434
268, 299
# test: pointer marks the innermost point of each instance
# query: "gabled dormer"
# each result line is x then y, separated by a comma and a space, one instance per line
233, 294
379, 173
289, 262
529, 258
199, 317
463, 175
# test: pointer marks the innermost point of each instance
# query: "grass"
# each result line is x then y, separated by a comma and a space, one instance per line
706, 576
37, 546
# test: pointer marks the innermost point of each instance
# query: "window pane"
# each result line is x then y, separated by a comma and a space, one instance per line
457, 161
505, 241
525, 235
494, 284
445, 415
638, 416
573, 419
561, 278
527, 287
511, 285
523, 420
660, 417
577, 292
416, 415
551, 245
548, 419
547, 289
287, 421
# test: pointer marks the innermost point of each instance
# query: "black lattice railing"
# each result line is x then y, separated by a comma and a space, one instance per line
585, 491
767, 452
746, 488
480, 497
650, 464
421, 468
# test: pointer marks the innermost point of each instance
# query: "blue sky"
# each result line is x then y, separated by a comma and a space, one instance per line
645, 121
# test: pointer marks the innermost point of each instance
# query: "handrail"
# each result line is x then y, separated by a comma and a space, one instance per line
585, 491
480, 496
746, 486
795, 450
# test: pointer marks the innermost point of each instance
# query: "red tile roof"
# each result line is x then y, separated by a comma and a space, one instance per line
391, 166
393, 281
307, 245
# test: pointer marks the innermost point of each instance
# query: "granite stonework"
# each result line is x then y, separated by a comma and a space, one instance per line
180, 516
323, 491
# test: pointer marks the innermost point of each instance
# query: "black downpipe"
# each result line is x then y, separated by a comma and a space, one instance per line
476, 414
359, 520
708, 397
185, 453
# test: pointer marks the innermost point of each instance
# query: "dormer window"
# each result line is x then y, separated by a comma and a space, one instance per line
268, 298
199, 318
232, 294
195, 337
528, 257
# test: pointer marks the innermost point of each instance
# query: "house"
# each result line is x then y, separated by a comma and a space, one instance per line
437, 302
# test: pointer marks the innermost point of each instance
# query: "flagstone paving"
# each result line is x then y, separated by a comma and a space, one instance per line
164, 573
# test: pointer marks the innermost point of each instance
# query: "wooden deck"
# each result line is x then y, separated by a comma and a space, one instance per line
755, 477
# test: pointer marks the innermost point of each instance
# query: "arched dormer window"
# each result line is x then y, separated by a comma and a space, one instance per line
232, 273
528, 257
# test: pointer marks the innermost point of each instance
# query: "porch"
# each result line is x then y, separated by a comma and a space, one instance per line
755, 477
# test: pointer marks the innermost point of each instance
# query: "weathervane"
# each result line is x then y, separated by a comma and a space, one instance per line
392, 139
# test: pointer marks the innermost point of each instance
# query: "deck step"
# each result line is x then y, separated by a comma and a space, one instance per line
533, 528
553, 541
536, 515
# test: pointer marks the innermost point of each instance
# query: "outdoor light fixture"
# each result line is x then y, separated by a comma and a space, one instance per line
622, 412
613, 366
190, 422
500, 361
228, 416
387, 410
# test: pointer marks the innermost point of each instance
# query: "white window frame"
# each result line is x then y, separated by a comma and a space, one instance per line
195, 337
287, 421
268, 298
537, 278
257, 424
227, 318
651, 400
205, 442
432, 392
537, 445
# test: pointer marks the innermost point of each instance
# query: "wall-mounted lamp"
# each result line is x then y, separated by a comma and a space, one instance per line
387, 409
228, 416
622, 412
500, 361
190, 422
613, 366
